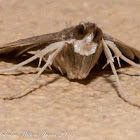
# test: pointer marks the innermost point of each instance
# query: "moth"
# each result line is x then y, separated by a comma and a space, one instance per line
73, 51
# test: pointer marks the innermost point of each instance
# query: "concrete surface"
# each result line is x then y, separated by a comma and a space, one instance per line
57, 107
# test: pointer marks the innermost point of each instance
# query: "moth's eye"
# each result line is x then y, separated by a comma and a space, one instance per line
98, 35
79, 32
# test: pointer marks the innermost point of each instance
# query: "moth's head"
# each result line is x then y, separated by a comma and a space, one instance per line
85, 29
87, 38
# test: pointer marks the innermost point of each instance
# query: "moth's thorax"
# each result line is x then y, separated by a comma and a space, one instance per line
81, 53
74, 64
86, 46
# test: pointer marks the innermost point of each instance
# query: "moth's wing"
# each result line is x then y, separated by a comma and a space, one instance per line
35, 43
126, 50
23, 45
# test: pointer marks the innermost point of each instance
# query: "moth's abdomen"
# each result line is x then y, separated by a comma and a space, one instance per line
73, 64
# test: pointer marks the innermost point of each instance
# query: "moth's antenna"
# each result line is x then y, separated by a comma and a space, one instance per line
67, 24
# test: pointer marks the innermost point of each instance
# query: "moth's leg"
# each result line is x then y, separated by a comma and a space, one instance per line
40, 60
20, 64
49, 62
40, 54
60, 70
118, 54
49, 66
110, 61
44, 59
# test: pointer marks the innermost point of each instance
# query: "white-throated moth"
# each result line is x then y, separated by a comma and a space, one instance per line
74, 51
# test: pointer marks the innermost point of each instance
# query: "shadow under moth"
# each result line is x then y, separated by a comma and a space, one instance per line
73, 51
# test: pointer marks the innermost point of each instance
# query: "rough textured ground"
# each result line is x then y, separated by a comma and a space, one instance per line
65, 109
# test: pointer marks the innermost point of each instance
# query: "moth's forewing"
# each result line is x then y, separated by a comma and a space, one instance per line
35, 42
128, 51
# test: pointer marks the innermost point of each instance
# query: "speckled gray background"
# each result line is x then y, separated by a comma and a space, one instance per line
56, 105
